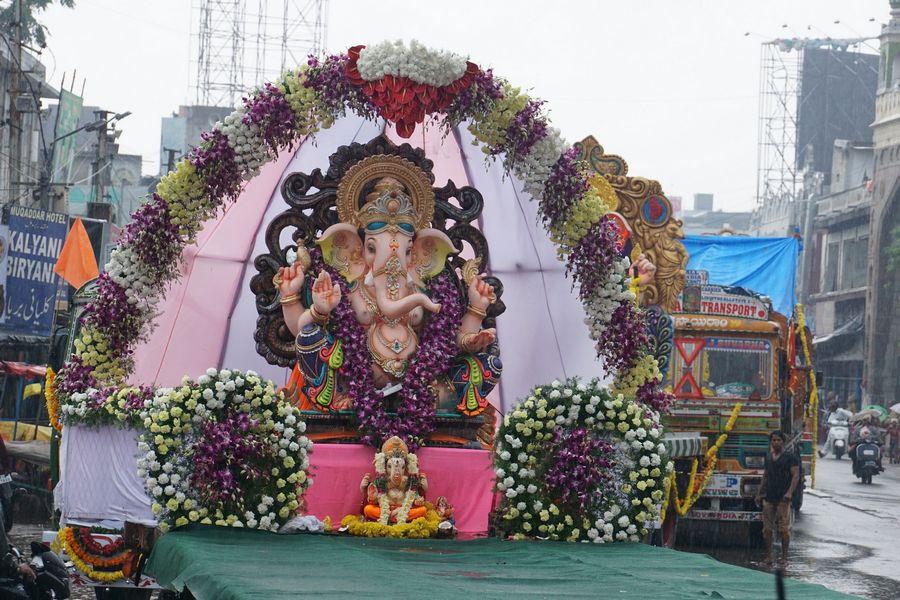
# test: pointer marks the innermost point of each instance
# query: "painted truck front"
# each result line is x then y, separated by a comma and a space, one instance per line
730, 347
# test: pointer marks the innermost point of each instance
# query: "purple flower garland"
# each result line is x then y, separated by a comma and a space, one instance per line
329, 79
112, 313
565, 185
437, 345
477, 98
214, 160
651, 394
591, 261
625, 338
527, 128
269, 110
580, 466
227, 455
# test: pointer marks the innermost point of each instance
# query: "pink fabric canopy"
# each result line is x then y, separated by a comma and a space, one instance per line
208, 318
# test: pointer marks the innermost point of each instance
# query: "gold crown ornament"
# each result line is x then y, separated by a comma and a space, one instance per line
402, 201
394, 446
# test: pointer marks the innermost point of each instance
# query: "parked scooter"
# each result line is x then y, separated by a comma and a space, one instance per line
868, 461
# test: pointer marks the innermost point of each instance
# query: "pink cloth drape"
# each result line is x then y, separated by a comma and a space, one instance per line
465, 477
192, 320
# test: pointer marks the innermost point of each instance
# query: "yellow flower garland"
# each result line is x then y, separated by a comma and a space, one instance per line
63, 544
423, 527
813, 408
52, 400
695, 487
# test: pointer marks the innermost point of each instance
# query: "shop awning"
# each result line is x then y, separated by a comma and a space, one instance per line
21, 369
844, 344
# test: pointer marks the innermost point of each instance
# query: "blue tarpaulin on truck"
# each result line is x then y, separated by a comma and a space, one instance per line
767, 266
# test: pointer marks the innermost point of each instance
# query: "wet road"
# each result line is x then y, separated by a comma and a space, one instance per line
847, 536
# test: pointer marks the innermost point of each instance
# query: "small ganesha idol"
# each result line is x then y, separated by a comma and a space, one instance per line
387, 251
397, 494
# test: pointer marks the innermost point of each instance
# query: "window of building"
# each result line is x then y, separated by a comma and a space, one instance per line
853, 258
832, 262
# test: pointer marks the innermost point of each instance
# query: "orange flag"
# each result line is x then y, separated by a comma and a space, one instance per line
76, 263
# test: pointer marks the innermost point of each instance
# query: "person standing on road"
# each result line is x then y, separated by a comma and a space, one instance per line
780, 479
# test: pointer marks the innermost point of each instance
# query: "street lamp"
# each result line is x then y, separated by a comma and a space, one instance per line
44, 182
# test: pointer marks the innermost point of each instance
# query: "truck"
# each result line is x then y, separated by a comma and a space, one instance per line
729, 346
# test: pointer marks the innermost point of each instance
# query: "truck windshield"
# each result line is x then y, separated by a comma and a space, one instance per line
736, 368
722, 367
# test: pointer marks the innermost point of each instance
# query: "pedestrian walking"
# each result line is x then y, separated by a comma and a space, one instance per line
893, 439
780, 479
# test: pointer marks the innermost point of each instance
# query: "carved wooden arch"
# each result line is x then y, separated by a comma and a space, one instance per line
311, 209
656, 231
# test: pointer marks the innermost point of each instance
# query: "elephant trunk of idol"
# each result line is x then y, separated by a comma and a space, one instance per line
403, 305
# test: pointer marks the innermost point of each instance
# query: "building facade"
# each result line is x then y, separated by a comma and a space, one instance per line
882, 351
834, 285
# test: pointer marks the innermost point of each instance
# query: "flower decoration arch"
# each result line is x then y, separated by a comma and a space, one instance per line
405, 85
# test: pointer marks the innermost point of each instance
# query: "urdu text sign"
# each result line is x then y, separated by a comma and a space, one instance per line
36, 238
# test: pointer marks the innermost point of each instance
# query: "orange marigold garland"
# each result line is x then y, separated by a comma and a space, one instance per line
52, 400
99, 568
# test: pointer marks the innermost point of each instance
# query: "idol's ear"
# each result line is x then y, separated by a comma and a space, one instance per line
429, 254
342, 249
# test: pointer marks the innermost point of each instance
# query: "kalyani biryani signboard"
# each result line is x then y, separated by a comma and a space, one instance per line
721, 301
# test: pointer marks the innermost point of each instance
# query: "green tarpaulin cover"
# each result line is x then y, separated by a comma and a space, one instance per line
228, 564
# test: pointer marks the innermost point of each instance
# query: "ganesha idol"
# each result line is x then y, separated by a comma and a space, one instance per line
397, 494
386, 250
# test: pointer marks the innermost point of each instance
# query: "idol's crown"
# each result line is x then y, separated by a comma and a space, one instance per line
389, 207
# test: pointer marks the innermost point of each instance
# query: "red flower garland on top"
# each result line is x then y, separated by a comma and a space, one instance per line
94, 549
403, 101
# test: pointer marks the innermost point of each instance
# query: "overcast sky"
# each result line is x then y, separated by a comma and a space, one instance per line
670, 85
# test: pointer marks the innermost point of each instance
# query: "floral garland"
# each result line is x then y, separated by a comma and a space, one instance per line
102, 569
437, 345
51, 399
421, 528
94, 549
225, 450
574, 462
403, 84
696, 486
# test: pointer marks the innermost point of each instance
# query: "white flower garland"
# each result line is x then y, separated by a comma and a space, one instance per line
521, 458
175, 419
419, 63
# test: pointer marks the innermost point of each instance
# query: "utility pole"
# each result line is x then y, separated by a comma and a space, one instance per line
99, 175
15, 117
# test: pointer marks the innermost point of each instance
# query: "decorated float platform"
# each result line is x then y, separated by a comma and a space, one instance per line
214, 563
302, 330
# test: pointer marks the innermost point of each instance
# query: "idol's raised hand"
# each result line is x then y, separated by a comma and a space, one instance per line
326, 295
291, 280
481, 293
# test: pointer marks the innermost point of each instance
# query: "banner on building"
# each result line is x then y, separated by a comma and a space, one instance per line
67, 116
35, 241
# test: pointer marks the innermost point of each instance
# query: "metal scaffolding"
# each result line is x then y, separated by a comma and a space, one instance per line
240, 44
778, 177
779, 168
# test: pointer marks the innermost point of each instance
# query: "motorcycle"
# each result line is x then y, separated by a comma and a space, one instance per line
51, 578
868, 461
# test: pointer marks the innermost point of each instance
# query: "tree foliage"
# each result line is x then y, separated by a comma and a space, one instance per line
33, 33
